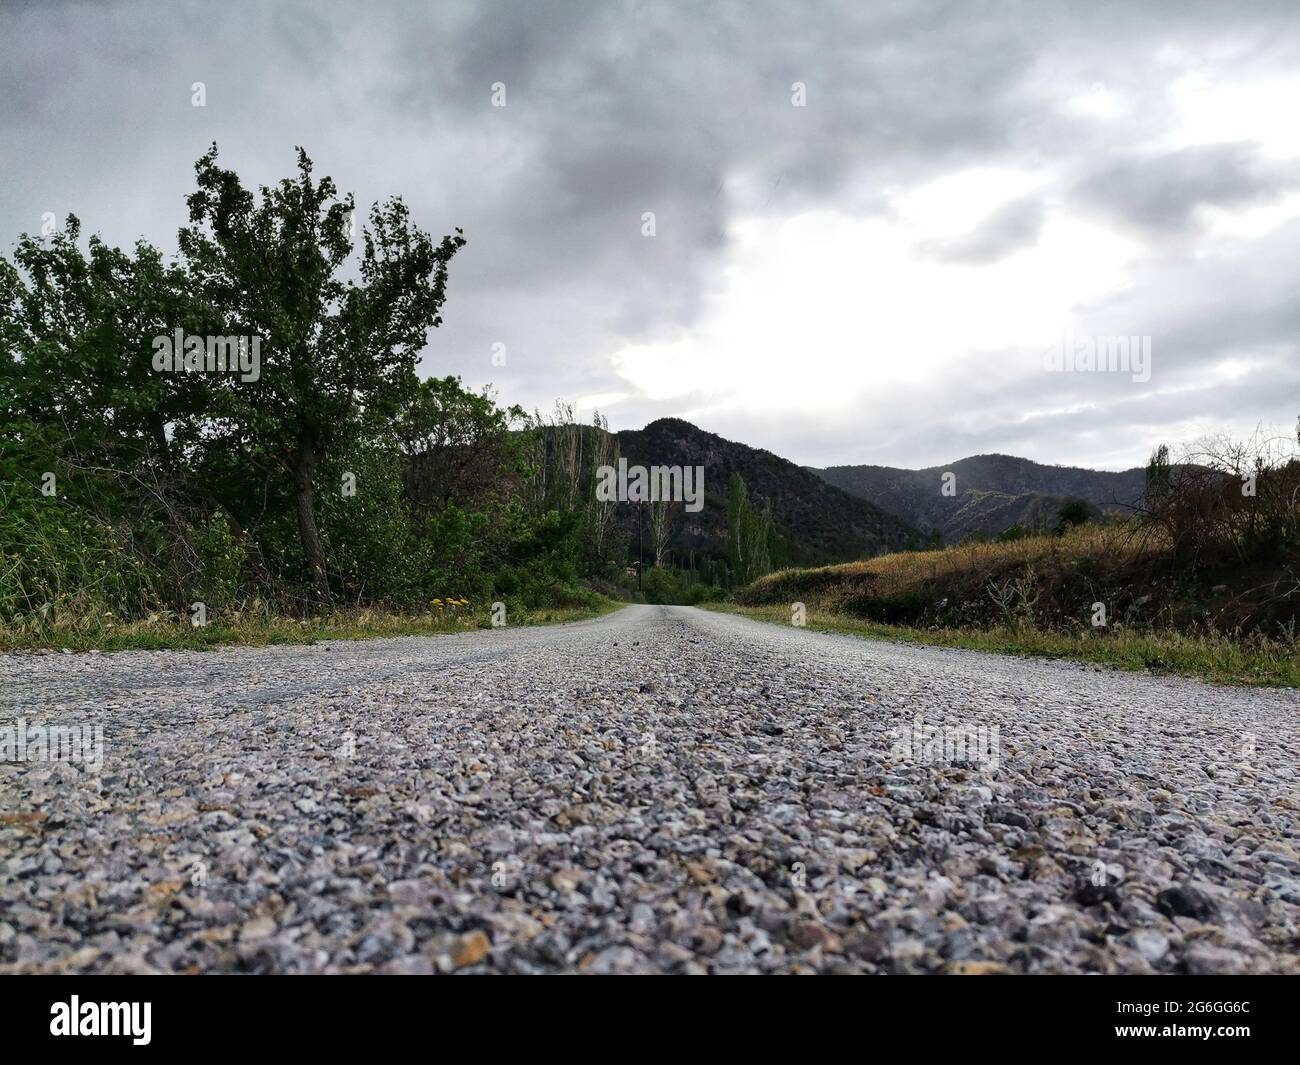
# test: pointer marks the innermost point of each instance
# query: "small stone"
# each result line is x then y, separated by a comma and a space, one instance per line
1152, 945
568, 879
700, 873
977, 968
1184, 900
809, 934
79, 959
257, 928
1206, 960
471, 949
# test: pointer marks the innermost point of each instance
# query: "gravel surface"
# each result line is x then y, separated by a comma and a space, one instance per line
662, 789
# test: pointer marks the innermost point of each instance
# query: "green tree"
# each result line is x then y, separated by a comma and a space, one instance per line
458, 446
79, 398
1072, 512
77, 328
337, 356
1158, 472
737, 506
752, 535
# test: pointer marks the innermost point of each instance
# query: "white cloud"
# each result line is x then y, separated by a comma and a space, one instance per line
1098, 101
825, 310
1213, 112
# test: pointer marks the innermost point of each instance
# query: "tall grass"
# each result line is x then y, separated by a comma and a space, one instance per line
897, 573
904, 575
1198, 583
260, 624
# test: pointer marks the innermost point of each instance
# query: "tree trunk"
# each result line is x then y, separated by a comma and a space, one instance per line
307, 530
661, 530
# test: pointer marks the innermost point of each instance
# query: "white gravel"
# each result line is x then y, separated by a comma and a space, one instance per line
663, 789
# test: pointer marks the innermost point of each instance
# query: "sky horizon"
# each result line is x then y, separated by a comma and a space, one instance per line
847, 236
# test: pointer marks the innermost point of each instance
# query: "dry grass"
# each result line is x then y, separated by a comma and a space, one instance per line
900, 586
1040, 595
78, 632
898, 573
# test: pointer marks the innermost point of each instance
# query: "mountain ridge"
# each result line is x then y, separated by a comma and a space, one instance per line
990, 492
844, 513
820, 522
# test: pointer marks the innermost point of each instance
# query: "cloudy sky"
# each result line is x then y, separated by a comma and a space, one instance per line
872, 221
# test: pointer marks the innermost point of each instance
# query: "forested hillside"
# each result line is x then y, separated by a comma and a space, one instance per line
816, 521
991, 493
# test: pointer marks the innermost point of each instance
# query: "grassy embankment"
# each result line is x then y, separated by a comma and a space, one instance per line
1037, 597
254, 628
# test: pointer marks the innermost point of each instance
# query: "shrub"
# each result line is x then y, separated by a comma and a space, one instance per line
1226, 497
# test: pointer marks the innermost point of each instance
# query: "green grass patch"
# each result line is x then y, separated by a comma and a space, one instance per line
256, 629
1252, 660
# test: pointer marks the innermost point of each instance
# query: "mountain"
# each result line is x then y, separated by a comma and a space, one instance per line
818, 521
992, 493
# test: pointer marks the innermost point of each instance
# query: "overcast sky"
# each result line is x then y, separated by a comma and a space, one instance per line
875, 276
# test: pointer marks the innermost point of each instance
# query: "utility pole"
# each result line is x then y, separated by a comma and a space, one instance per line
640, 556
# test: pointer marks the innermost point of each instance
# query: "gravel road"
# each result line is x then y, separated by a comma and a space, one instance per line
662, 789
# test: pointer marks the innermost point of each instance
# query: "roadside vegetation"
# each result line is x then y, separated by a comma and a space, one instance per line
234, 444
1224, 659
255, 626
1203, 579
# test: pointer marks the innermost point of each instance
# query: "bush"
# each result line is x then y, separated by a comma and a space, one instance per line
661, 586
53, 554
704, 593
1226, 498
222, 560
1073, 512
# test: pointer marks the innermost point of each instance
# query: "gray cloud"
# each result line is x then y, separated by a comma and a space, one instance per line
1009, 229
684, 110
1159, 193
